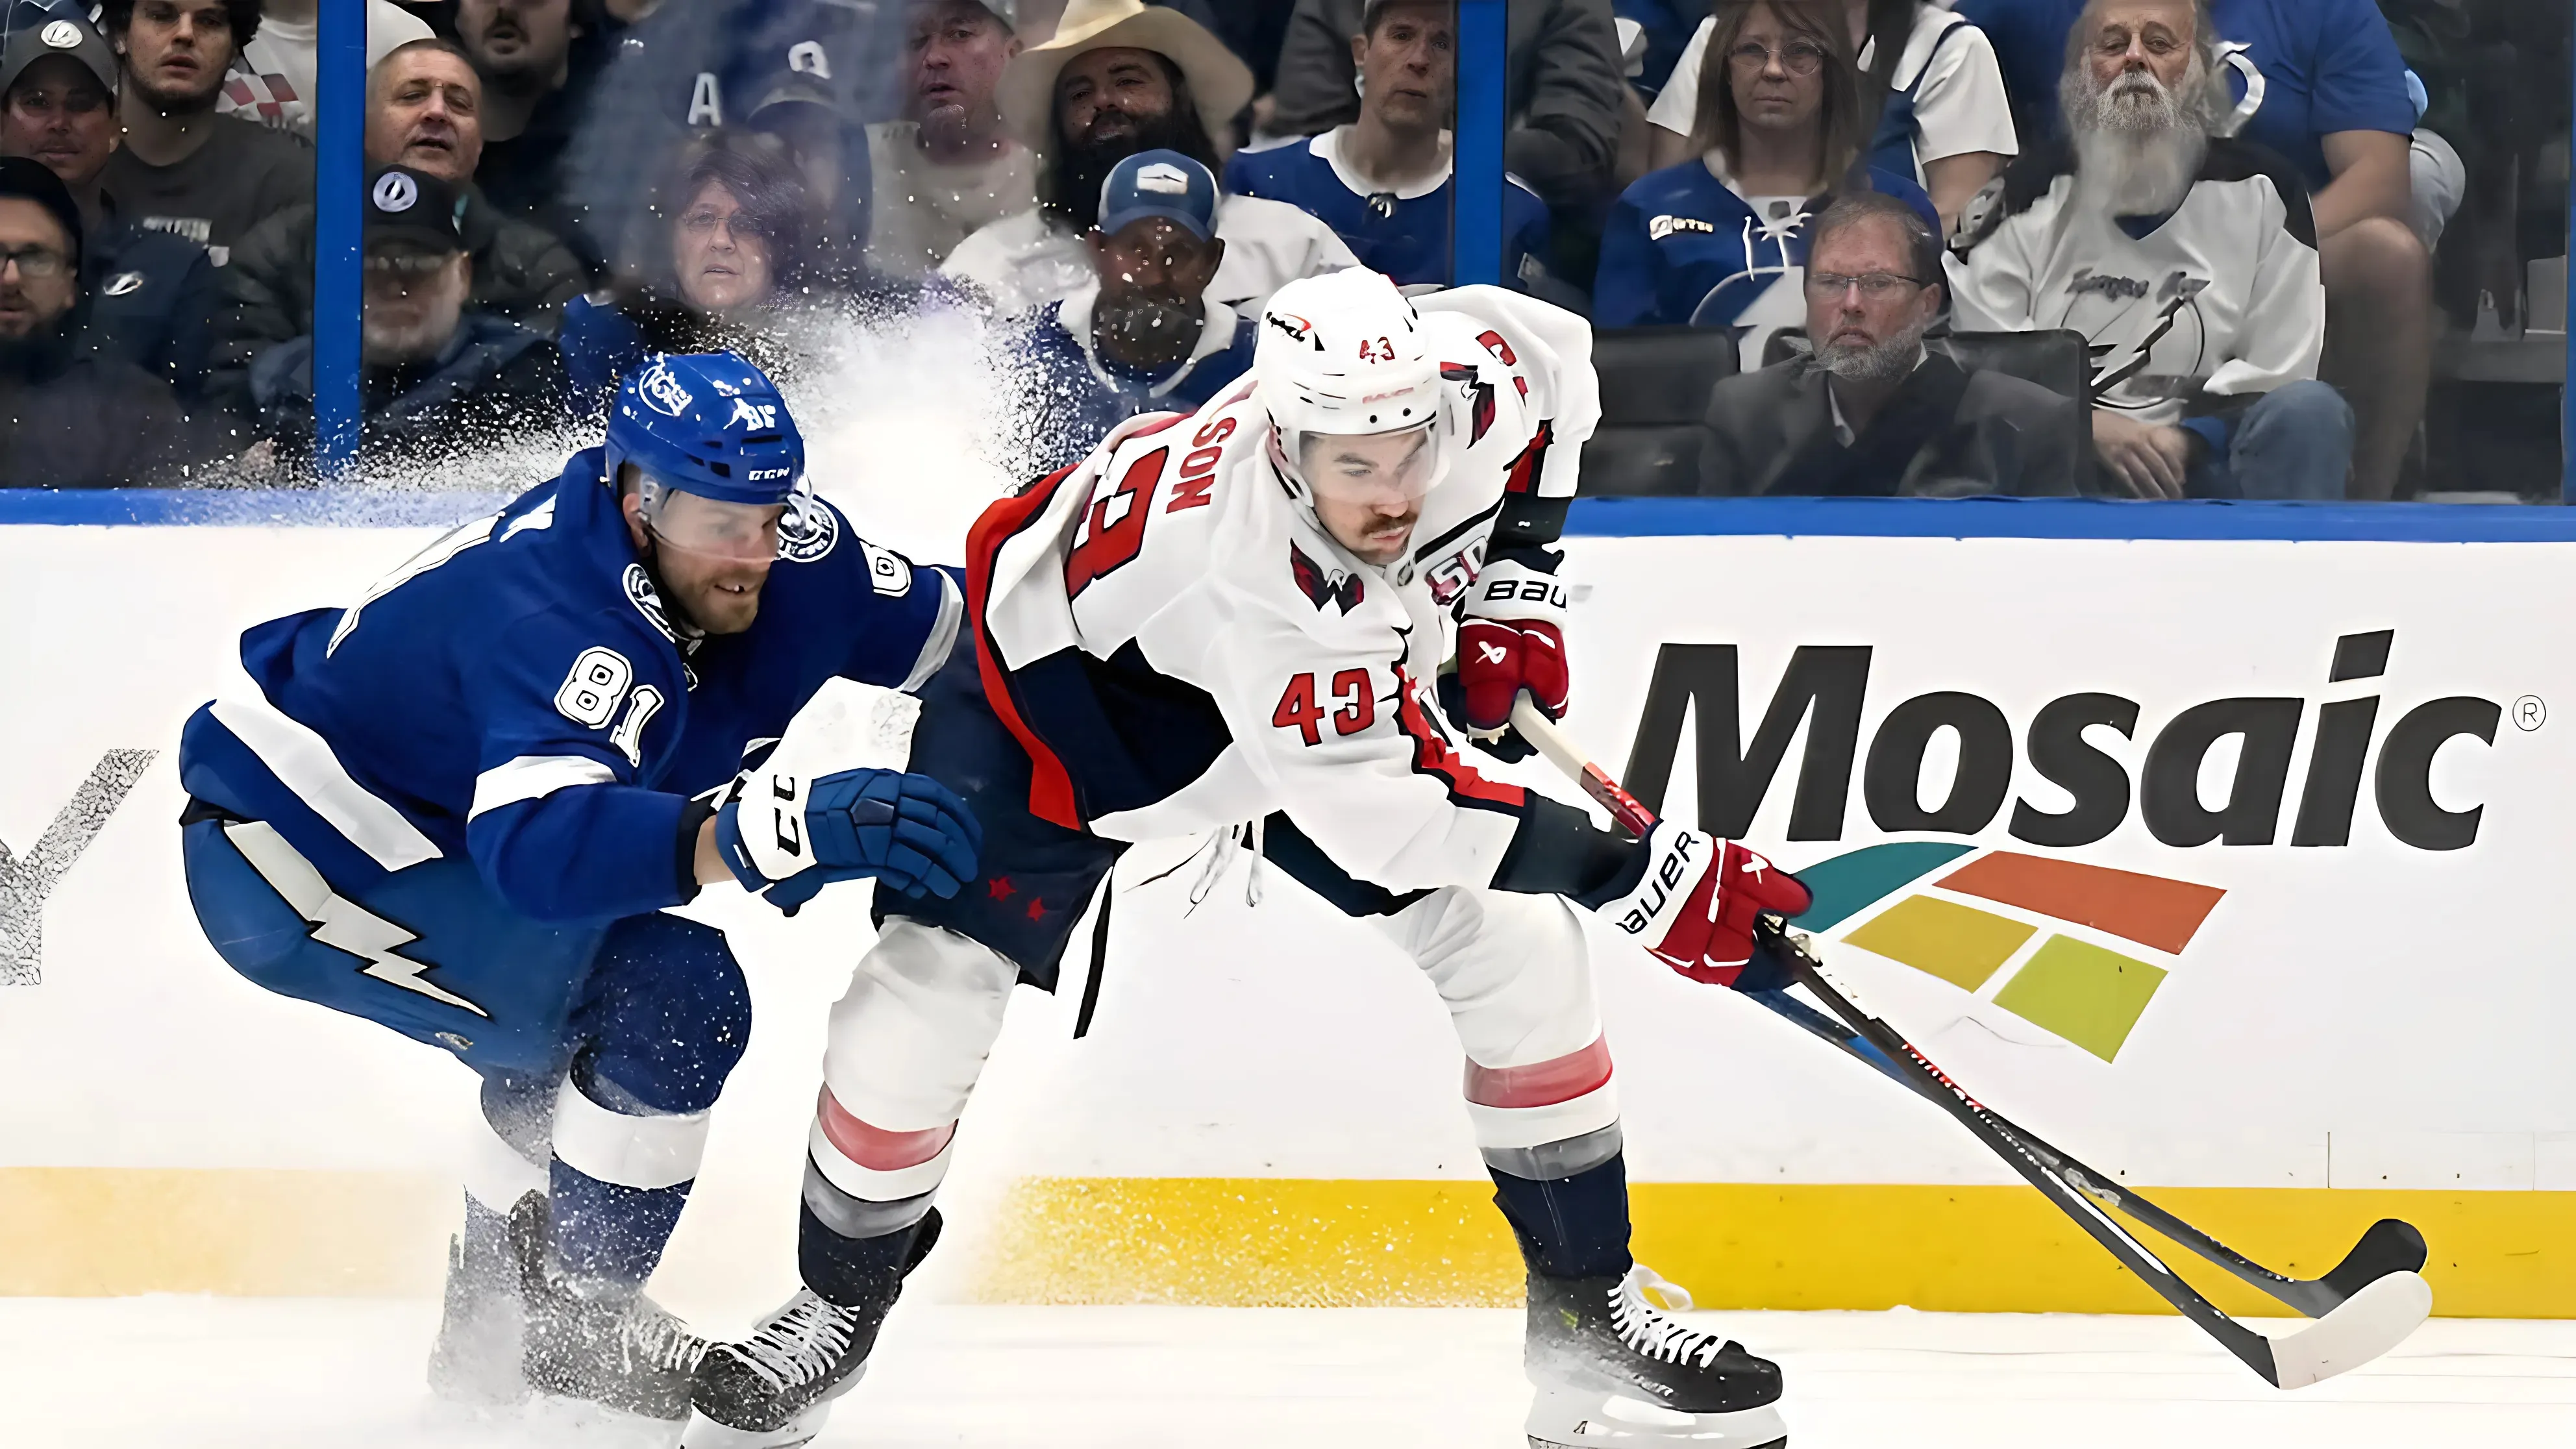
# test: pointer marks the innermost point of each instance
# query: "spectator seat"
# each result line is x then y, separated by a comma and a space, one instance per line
1655, 385
2060, 361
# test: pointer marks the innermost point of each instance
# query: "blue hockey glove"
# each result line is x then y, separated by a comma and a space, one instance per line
791, 835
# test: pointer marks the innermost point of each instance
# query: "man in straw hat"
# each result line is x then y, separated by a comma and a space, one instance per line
1120, 77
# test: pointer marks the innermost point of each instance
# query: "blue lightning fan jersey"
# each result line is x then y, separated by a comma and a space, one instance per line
1404, 232
516, 695
1683, 247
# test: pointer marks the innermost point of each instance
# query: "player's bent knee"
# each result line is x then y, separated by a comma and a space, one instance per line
909, 1040
1514, 971
666, 1018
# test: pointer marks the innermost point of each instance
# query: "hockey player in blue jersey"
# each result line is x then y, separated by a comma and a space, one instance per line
461, 805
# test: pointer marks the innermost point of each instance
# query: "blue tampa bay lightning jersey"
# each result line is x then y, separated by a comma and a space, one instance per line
1404, 232
516, 694
1683, 247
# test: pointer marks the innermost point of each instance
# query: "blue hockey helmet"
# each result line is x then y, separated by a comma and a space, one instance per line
707, 423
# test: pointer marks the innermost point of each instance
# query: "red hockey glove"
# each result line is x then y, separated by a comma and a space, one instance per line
1511, 637
1695, 907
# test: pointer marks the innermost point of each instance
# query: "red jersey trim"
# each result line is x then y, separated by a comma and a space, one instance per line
1050, 783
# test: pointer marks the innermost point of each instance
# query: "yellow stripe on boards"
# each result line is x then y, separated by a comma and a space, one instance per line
1243, 1242
103, 1231
1275, 1241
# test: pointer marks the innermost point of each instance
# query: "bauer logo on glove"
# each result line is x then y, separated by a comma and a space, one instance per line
1511, 637
1696, 904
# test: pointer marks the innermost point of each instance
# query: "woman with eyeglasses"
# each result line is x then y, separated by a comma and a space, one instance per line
724, 262
1944, 115
1720, 239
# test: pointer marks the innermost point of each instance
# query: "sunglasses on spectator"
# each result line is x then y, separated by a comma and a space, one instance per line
1798, 57
36, 264
1876, 286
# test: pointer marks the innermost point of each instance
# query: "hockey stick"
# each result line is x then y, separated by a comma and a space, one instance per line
2389, 1246
2374, 1318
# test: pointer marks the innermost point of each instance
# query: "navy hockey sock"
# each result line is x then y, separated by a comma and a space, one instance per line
860, 1273
609, 1234
1570, 1227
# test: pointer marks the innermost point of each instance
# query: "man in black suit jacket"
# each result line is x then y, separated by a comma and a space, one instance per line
1874, 411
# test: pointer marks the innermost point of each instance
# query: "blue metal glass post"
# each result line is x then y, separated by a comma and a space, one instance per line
2567, 384
339, 116
1477, 230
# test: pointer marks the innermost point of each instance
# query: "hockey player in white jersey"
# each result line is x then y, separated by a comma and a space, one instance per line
1238, 616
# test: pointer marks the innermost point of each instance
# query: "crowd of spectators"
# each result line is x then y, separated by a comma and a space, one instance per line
2144, 248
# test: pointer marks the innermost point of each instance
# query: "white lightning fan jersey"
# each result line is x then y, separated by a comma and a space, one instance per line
2190, 315
1181, 647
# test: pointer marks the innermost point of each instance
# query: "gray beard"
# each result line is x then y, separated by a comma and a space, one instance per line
1886, 362
2137, 149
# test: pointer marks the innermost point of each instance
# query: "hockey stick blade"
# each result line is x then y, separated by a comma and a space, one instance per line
2365, 1326
2390, 1246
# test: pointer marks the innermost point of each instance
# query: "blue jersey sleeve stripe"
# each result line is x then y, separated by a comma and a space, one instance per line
534, 777
943, 634
303, 762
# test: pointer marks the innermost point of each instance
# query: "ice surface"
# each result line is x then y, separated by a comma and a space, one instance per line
330, 1374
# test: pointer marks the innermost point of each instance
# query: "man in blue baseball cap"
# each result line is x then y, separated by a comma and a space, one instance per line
463, 805
1145, 336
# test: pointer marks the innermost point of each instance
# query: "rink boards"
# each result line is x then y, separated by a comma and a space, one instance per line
2232, 865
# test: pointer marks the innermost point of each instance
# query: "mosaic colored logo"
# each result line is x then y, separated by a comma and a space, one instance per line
2075, 988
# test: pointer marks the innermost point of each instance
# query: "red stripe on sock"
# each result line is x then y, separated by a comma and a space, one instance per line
1543, 1084
874, 1148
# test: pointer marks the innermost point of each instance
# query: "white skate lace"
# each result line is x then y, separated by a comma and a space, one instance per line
1649, 1330
799, 1344
650, 1334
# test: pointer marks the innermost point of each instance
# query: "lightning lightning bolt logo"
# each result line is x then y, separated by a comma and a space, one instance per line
354, 929
338, 922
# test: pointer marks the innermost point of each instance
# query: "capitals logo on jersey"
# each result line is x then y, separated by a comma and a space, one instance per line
1481, 409
1322, 588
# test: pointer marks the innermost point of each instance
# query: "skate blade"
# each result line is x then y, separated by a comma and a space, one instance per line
705, 1433
596, 1426
1614, 1421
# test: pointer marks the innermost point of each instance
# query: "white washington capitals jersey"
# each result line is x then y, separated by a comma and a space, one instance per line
1180, 647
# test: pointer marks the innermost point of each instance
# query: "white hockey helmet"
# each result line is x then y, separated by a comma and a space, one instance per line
1345, 354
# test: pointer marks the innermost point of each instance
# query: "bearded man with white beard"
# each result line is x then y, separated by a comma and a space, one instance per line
2188, 259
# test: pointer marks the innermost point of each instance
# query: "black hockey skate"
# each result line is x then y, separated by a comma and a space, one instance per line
482, 1335
774, 1389
620, 1351
1616, 1372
